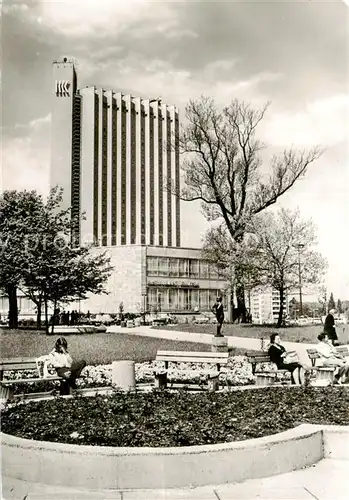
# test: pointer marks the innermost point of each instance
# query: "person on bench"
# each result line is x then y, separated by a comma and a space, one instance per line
277, 354
65, 367
330, 357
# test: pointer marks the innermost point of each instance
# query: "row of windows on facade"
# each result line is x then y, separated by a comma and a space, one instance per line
181, 267
176, 299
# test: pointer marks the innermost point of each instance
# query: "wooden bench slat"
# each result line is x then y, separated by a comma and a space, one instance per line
27, 380
17, 360
18, 366
192, 360
199, 354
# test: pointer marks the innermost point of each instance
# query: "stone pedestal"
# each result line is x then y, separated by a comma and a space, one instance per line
123, 375
219, 344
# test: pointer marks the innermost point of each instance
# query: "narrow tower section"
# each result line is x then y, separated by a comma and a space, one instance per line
65, 137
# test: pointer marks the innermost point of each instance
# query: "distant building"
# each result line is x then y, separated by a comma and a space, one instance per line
265, 305
117, 158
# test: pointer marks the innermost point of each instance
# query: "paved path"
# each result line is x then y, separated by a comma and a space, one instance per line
241, 342
326, 480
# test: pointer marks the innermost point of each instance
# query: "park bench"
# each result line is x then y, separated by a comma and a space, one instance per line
20, 365
214, 358
263, 376
160, 321
343, 350
323, 373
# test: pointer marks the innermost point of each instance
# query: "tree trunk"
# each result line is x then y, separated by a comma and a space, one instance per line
53, 316
38, 313
281, 310
46, 316
240, 298
13, 306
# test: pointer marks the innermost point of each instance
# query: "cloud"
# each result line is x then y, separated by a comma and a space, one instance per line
26, 157
102, 18
324, 121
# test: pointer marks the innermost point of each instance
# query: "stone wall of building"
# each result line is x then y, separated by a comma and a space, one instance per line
124, 285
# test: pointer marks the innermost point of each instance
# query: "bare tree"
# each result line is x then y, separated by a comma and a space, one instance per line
223, 167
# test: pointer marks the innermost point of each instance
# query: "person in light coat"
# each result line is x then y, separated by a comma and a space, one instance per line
65, 366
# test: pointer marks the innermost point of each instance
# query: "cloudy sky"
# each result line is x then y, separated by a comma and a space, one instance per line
294, 53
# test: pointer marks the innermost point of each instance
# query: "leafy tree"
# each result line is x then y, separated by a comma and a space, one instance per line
322, 299
283, 239
223, 167
339, 306
19, 212
52, 269
237, 262
331, 302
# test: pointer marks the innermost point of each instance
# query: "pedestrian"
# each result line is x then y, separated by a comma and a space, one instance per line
64, 365
218, 311
329, 327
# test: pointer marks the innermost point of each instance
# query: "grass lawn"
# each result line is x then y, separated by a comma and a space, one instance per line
161, 418
97, 348
306, 334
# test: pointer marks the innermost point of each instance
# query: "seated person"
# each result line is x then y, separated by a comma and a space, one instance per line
330, 357
277, 354
65, 367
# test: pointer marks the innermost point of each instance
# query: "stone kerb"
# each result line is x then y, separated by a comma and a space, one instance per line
150, 468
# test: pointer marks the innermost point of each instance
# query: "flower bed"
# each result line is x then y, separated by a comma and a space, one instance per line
162, 419
237, 372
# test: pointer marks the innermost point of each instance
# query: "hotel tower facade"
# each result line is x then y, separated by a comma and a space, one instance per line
117, 159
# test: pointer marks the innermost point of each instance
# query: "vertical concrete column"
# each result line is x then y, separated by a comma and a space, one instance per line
124, 375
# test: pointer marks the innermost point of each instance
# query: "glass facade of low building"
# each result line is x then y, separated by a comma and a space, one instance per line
175, 291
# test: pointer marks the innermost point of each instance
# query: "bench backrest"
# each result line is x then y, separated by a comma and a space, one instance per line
313, 355
17, 364
220, 358
255, 357
343, 350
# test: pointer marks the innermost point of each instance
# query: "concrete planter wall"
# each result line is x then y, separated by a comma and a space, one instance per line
121, 468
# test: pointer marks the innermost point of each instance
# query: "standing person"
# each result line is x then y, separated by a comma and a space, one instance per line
65, 367
218, 310
329, 326
330, 357
277, 354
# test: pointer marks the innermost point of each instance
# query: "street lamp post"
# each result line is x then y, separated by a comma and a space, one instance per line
299, 246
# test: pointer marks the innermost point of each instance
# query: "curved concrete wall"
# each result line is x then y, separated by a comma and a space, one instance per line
121, 468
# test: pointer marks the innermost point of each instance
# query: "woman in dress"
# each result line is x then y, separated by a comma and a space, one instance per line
277, 354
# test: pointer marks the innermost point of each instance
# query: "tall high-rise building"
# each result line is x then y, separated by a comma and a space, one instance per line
117, 158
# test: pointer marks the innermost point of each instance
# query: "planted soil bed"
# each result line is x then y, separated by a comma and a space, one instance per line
163, 419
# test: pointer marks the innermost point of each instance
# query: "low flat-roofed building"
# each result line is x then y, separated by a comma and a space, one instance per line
154, 278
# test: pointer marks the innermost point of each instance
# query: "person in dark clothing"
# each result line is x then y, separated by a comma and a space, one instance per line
277, 354
218, 311
329, 327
